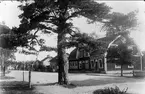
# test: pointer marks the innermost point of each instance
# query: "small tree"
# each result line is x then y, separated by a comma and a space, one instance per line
121, 24
120, 55
6, 45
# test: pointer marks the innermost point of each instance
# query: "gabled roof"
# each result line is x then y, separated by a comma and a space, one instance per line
107, 40
48, 57
96, 53
73, 55
54, 59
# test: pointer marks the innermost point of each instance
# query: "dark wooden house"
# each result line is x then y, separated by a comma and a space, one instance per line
96, 61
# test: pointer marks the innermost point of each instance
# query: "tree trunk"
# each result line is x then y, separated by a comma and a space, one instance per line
30, 76
121, 70
62, 61
4, 71
3, 66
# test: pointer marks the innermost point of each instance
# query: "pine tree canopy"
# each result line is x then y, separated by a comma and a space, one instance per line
49, 16
119, 23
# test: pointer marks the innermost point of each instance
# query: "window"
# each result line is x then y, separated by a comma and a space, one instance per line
86, 54
87, 61
70, 65
100, 63
92, 64
87, 64
130, 66
117, 66
81, 54
80, 64
76, 64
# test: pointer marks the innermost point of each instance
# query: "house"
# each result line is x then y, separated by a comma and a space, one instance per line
46, 60
97, 61
54, 63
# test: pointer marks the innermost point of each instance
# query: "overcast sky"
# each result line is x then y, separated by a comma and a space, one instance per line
9, 14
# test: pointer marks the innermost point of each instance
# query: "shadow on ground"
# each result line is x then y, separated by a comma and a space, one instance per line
52, 84
16, 87
6, 77
98, 79
105, 81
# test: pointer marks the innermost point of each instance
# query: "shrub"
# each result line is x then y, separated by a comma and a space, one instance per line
111, 90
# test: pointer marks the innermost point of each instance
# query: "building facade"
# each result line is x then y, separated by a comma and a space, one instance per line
82, 61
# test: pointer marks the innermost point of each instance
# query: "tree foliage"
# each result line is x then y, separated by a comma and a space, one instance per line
7, 43
121, 55
55, 16
86, 41
119, 22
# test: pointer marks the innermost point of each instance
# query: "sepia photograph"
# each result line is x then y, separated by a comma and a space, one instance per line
72, 46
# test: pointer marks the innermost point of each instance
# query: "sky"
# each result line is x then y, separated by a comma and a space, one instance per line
9, 14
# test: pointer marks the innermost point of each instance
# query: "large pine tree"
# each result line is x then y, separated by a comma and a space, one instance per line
55, 16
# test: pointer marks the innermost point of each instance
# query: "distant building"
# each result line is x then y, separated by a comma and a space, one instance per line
54, 63
46, 60
96, 61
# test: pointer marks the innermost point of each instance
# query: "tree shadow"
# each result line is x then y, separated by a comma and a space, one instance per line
104, 81
15, 85
46, 84
70, 86
56, 83
6, 77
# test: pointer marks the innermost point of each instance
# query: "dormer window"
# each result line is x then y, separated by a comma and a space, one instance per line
85, 54
81, 54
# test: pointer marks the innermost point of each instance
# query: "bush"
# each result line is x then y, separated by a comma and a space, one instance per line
111, 90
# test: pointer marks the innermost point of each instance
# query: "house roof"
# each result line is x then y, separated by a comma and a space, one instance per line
96, 53
100, 53
54, 59
108, 39
73, 55
48, 57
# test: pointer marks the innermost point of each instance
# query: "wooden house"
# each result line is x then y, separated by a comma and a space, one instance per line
96, 61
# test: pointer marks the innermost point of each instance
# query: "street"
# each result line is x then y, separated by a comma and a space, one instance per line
84, 82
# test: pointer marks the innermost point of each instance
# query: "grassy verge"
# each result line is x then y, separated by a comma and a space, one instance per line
16, 87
